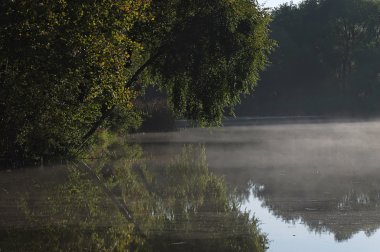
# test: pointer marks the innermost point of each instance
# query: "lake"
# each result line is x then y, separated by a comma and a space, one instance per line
290, 185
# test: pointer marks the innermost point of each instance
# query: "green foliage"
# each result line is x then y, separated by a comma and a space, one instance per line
213, 52
327, 60
62, 63
67, 66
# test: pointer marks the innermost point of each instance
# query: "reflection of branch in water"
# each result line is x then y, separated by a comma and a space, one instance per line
121, 206
143, 179
180, 207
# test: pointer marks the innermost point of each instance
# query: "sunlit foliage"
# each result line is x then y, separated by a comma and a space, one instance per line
61, 64
69, 67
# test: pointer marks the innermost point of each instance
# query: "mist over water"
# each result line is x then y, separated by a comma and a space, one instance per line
323, 147
308, 183
310, 186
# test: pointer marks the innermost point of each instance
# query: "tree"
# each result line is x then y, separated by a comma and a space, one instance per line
62, 64
354, 26
213, 53
326, 60
67, 66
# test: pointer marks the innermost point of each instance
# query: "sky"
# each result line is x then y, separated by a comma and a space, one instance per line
274, 3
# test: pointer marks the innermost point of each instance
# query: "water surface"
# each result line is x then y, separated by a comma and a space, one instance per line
312, 186
288, 186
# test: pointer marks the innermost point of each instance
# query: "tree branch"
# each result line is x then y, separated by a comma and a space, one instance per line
105, 111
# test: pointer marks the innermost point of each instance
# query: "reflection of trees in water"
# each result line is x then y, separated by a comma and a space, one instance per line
339, 203
339, 200
179, 207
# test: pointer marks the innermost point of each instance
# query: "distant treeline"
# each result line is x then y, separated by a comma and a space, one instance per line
327, 61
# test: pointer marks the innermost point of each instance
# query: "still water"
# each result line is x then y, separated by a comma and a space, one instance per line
313, 187
246, 187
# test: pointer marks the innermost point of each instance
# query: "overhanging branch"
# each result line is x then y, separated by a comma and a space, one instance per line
105, 111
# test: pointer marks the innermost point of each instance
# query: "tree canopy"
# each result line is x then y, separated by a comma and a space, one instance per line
327, 60
68, 67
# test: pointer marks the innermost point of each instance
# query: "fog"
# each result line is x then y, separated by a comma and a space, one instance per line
318, 147
320, 175
304, 181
